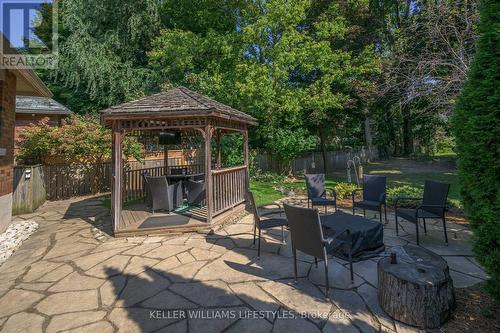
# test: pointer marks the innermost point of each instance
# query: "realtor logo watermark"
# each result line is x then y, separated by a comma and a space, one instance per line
21, 47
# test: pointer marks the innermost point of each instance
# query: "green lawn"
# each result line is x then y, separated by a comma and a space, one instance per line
398, 172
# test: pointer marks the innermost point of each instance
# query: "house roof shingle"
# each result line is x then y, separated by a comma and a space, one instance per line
40, 105
177, 102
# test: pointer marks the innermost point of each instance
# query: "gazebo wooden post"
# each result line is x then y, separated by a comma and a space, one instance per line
219, 159
208, 170
165, 159
246, 159
116, 193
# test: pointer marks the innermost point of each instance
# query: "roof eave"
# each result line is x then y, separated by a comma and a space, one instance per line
116, 115
55, 112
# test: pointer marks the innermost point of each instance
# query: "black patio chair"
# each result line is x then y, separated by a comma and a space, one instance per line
374, 195
263, 221
316, 192
307, 236
432, 206
195, 192
164, 196
147, 199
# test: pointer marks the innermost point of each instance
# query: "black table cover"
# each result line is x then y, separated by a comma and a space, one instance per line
367, 235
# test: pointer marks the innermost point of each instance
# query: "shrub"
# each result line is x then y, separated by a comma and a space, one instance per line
476, 127
344, 190
80, 140
268, 177
403, 191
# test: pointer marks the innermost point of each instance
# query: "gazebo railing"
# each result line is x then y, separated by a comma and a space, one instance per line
228, 188
228, 185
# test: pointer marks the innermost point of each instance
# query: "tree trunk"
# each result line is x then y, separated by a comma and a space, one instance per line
407, 135
417, 290
323, 148
368, 137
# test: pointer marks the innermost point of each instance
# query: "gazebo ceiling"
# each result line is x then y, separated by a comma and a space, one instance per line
175, 103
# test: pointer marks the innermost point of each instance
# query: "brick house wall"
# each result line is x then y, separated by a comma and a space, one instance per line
7, 122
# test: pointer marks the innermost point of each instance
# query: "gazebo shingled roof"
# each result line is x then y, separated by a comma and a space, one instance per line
176, 102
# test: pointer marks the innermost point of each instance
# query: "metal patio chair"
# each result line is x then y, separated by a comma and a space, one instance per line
307, 236
374, 195
432, 206
263, 221
316, 192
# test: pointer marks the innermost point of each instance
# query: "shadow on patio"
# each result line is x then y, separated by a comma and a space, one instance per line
156, 300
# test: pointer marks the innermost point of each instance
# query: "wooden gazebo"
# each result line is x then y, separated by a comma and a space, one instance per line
178, 109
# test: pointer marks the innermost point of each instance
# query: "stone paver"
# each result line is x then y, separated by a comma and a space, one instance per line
23, 322
73, 320
207, 294
18, 300
69, 277
69, 302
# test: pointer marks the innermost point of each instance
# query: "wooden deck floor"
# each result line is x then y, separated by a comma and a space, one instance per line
139, 219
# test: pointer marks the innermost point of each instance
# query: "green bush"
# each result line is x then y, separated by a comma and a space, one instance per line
477, 130
268, 177
403, 191
344, 190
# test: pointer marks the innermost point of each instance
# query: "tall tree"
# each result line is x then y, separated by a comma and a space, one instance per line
102, 50
427, 47
477, 130
282, 61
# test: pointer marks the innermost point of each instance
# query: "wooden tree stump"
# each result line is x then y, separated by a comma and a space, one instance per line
418, 289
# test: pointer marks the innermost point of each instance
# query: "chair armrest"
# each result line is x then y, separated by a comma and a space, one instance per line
334, 193
422, 206
275, 204
398, 199
353, 194
381, 198
281, 211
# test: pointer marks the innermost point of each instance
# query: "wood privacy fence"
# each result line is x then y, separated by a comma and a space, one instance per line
66, 181
313, 162
35, 184
29, 190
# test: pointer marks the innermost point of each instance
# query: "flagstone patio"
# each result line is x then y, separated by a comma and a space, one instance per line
70, 277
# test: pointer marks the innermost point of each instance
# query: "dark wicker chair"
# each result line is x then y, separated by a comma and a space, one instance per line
316, 192
164, 196
374, 195
433, 206
264, 221
307, 236
195, 192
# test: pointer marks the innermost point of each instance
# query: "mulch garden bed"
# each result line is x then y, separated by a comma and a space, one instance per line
476, 311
